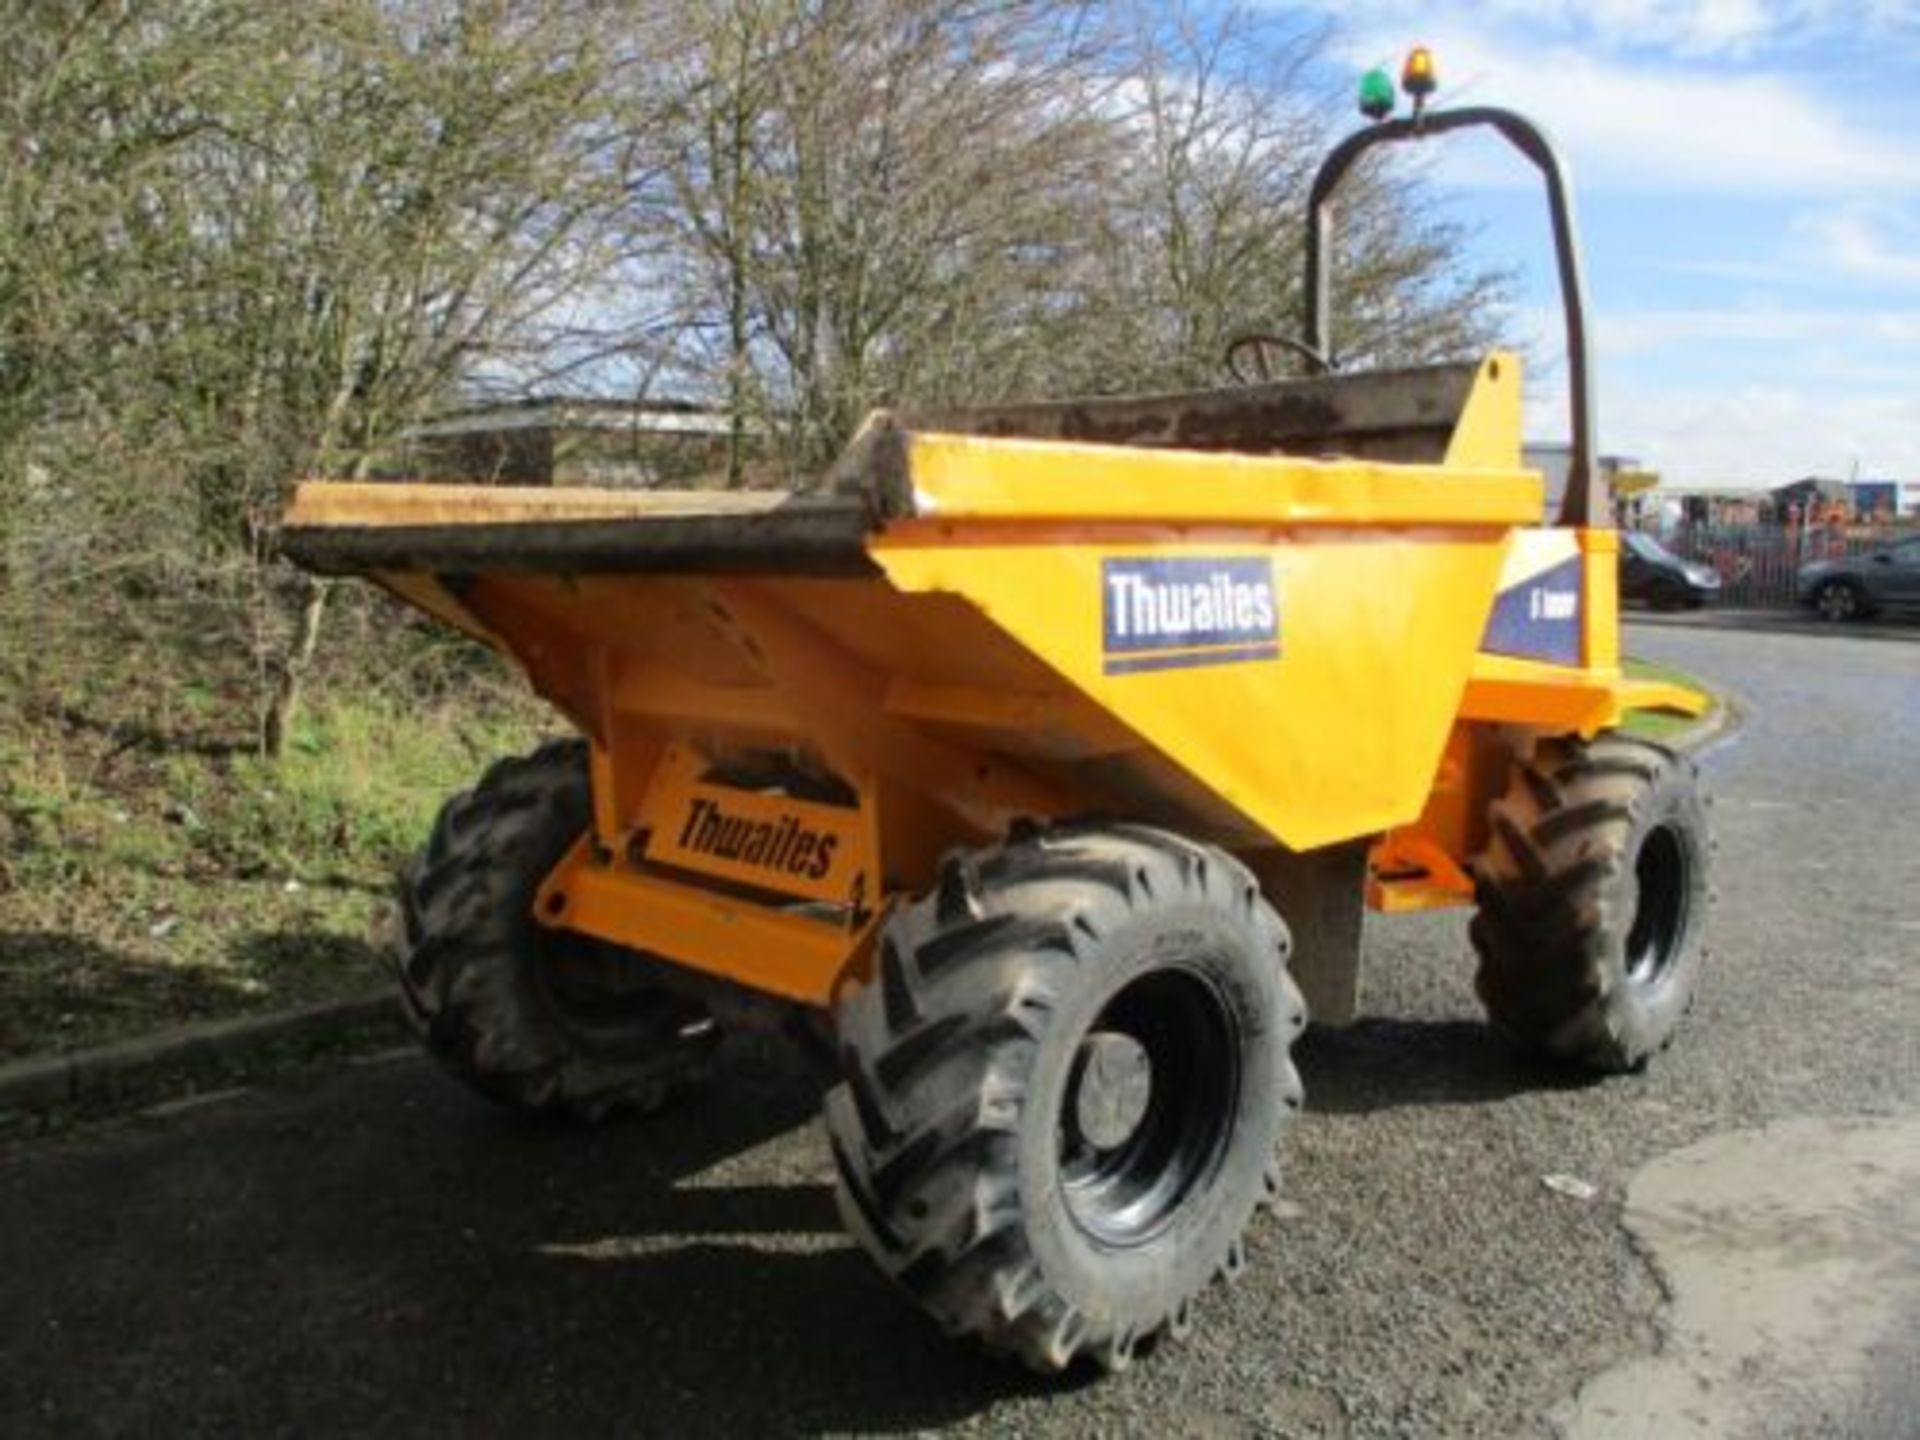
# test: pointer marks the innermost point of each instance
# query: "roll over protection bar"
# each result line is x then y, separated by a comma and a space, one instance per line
1584, 503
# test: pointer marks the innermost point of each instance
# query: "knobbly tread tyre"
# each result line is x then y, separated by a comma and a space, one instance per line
476, 973
942, 1124
1558, 894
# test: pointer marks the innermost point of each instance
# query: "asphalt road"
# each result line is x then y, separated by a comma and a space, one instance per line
379, 1254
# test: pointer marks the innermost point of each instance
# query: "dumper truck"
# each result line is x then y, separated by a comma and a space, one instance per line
1037, 764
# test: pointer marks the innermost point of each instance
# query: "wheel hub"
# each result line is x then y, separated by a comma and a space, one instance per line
1113, 1087
1148, 1105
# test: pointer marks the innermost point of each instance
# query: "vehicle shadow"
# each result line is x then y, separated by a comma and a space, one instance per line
1384, 1064
386, 1255
381, 1253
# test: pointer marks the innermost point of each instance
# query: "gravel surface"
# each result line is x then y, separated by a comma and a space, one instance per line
379, 1254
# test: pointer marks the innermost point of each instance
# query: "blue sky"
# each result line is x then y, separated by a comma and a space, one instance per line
1748, 174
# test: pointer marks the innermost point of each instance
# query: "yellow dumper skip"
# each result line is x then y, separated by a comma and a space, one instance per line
1257, 649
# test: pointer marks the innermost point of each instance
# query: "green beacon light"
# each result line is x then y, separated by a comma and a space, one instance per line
1377, 97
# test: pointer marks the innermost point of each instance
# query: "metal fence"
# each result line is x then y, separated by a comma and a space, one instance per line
1758, 564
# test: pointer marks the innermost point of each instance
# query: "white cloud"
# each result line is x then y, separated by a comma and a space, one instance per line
1664, 127
1689, 29
1866, 242
1630, 333
1707, 107
1690, 26
1814, 390
1677, 97
1763, 435
1749, 435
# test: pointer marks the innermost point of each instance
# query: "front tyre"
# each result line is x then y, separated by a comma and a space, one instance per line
1064, 1092
1593, 895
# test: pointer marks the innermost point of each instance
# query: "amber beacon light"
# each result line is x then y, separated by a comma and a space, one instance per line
1418, 77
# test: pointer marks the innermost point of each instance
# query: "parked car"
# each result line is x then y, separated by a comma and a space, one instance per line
1654, 575
1859, 585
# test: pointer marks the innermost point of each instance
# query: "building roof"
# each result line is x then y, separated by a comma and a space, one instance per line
1826, 489
607, 416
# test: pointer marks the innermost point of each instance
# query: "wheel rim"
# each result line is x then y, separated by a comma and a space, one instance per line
1661, 874
1836, 602
1148, 1107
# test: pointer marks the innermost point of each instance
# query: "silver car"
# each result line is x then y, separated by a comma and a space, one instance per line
1860, 585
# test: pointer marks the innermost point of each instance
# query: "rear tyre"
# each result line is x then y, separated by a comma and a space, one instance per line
1064, 1091
1841, 601
543, 1020
1593, 894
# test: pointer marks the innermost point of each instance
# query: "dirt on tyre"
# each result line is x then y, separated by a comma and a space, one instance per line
1064, 1093
1593, 896
543, 1020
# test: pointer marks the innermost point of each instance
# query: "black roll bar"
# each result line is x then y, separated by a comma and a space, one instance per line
1584, 503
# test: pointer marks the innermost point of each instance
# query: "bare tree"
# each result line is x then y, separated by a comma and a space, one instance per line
860, 198
243, 243
1205, 237
936, 199
298, 242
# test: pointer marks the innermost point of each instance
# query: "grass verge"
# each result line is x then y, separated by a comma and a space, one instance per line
155, 870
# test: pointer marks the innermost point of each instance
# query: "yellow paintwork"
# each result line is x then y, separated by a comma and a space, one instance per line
1411, 870
1563, 701
966, 477
1631, 695
1487, 434
975, 677
373, 503
1337, 737
1600, 647
780, 951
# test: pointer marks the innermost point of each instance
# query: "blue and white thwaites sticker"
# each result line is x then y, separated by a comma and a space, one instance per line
1537, 613
1173, 613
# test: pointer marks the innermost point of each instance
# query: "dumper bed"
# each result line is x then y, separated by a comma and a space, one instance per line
346, 529
1398, 416
994, 581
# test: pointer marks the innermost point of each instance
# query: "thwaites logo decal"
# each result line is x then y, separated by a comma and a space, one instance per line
784, 844
1538, 617
765, 838
1169, 614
